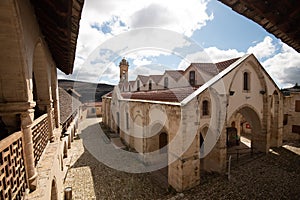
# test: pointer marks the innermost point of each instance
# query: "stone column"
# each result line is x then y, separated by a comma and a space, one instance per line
183, 150
56, 112
26, 122
55, 96
50, 122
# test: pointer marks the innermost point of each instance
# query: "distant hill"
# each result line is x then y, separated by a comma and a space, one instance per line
88, 91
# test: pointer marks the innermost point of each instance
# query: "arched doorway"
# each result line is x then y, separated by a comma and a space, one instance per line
54, 190
163, 142
249, 136
161, 175
202, 134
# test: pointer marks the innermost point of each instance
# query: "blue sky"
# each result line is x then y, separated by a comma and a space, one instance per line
216, 29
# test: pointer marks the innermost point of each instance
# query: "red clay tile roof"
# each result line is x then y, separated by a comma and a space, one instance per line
224, 64
212, 68
168, 95
144, 79
156, 78
175, 74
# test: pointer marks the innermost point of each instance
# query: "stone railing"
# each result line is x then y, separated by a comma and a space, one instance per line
40, 136
12, 167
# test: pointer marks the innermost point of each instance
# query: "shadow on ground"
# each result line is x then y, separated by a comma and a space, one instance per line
272, 176
109, 183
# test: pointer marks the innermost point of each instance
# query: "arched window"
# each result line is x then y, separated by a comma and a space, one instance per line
192, 78
166, 82
246, 81
205, 110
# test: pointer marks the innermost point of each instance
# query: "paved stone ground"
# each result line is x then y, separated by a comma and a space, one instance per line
273, 176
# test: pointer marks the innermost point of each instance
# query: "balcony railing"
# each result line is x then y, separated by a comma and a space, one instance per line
40, 136
12, 167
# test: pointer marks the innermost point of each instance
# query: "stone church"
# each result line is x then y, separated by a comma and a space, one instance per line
195, 116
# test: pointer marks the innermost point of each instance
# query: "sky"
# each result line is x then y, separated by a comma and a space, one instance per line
155, 35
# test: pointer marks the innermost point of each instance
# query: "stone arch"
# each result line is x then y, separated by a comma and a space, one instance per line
41, 78
163, 141
152, 141
54, 193
156, 113
202, 134
233, 124
137, 132
262, 142
204, 146
251, 115
258, 71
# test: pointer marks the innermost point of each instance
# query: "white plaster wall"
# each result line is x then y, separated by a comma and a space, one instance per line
171, 82
201, 77
240, 97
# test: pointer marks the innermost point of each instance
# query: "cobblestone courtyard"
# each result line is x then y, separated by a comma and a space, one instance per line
272, 176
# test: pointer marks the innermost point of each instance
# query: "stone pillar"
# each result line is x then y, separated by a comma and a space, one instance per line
56, 112
50, 122
26, 122
184, 148
55, 96
47, 106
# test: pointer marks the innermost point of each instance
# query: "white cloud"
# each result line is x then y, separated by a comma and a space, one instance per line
263, 49
183, 17
210, 55
119, 16
284, 67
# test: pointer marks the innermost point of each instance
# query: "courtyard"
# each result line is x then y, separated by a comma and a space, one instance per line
272, 176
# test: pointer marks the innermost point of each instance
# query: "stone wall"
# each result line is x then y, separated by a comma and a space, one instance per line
291, 117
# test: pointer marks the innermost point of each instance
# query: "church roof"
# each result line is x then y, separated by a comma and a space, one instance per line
175, 74
156, 78
214, 68
143, 78
168, 95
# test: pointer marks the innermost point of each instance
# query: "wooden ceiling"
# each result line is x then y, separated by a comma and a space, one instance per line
59, 23
279, 17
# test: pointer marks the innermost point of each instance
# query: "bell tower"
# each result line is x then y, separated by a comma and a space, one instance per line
123, 70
